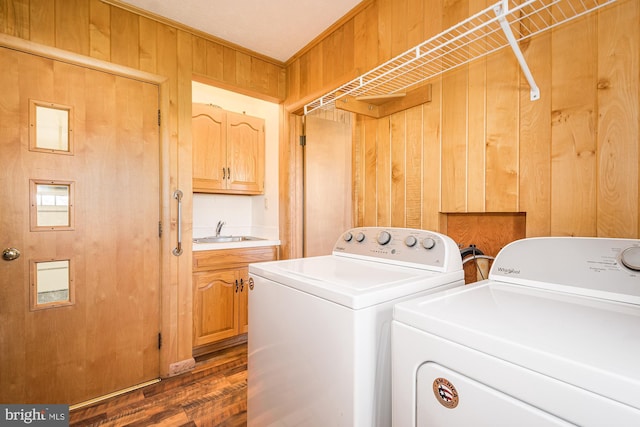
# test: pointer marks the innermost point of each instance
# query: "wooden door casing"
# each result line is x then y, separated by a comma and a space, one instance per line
108, 339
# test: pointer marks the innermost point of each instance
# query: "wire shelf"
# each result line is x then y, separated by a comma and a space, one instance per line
503, 24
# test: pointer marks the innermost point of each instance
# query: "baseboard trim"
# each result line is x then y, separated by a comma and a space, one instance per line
182, 366
110, 395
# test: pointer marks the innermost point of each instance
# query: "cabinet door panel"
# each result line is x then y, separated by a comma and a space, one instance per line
245, 156
209, 148
215, 306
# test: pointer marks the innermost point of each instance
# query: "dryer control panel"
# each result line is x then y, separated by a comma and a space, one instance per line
593, 266
402, 246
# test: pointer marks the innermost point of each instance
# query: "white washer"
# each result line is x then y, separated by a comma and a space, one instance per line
319, 334
552, 338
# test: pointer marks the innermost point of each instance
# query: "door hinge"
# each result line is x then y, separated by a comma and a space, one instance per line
159, 340
159, 117
303, 140
159, 228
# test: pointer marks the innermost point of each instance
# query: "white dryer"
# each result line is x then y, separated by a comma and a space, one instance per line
552, 338
319, 327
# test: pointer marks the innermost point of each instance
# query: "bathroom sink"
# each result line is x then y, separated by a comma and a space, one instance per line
224, 239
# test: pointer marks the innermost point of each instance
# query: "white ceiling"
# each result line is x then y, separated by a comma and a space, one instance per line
275, 28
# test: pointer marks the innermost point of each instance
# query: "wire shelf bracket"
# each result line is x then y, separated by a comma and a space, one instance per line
505, 23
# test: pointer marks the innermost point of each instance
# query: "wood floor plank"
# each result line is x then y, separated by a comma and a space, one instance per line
213, 394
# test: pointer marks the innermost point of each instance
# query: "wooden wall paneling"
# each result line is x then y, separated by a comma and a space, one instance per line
259, 78
454, 141
454, 123
14, 18
332, 64
415, 23
72, 26
99, 30
199, 62
385, 35
397, 124
573, 169
618, 153
383, 173
184, 53
312, 71
357, 171
243, 69
535, 139
148, 50
365, 42
399, 21
172, 321
216, 65
501, 166
124, 38
42, 26
370, 174
477, 133
431, 160
293, 83
228, 65
348, 49
414, 156
290, 184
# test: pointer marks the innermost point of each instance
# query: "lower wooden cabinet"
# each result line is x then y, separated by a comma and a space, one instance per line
220, 292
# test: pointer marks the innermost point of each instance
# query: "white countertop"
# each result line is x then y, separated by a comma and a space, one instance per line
234, 245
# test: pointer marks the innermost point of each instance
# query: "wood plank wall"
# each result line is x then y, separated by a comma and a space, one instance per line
570, 160
122, 35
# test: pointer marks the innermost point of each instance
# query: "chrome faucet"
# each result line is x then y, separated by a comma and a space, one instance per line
219, 227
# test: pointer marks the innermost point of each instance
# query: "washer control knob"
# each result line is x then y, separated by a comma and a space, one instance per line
630, 258
348, 236
360, 237
410, 241
384, 237
428, 243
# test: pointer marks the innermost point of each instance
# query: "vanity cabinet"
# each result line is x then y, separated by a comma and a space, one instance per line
228, 151
220, 292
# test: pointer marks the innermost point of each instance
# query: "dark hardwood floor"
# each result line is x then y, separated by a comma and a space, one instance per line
214, 394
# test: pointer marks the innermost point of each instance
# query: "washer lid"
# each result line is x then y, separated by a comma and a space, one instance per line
353, 283
589, 342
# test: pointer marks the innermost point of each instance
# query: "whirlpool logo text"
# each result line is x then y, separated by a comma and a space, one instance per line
508, 270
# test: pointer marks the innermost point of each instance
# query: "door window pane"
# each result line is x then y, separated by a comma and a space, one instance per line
51, 205
50, 128
51, 283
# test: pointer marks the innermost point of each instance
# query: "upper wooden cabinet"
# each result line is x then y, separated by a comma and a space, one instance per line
228, 151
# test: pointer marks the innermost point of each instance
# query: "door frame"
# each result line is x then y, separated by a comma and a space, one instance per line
175, 271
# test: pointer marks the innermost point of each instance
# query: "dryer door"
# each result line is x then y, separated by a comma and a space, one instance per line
448, 399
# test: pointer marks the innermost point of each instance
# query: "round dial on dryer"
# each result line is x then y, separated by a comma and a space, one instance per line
348, 236
384, 237
410, 241
630, 258
360, 237
428, 243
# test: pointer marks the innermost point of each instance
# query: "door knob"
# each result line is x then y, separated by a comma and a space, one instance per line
9, 254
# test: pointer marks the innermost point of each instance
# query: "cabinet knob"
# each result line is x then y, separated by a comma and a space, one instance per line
251, 283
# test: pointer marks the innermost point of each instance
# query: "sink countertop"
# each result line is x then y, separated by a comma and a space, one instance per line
234, 245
